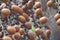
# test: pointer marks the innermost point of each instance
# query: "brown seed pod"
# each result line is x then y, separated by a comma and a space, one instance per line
17, 35
5, 12
37, 4
48, 32
11, 30
28, 25
43, 19
22, 19
57, 16
21, 31
17, 27
26, 16
38, 11
17, 9
7, 38
29, 4
5, 1
58, 21
31, 36
49, 3
38, 31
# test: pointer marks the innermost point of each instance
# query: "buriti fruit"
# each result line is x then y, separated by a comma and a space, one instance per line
17, 35
22, 19
11, 30
5, 12
7, 38
57, 16
38, 31
37, 4
38, 11
21, 31
49, 3
43, 19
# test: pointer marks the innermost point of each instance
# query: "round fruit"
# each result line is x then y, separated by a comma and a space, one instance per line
48, 32
17, 27
29, 4
17, 35
31, 36
38, 31
11, 30
7, 38
38, 11
57, 16
58, 21
26, 16
37, 5
43, 19
28, 25
49, 3
5, 11
22, 19
21, 31
17, 9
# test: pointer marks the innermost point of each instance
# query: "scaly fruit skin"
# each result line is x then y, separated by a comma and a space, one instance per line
38, 11
38, 31
28, 25
7, 38
43, 20
49, 3
11, 30
5, 12
17, 35
57, 16
37, 5
22, 19
21, 31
